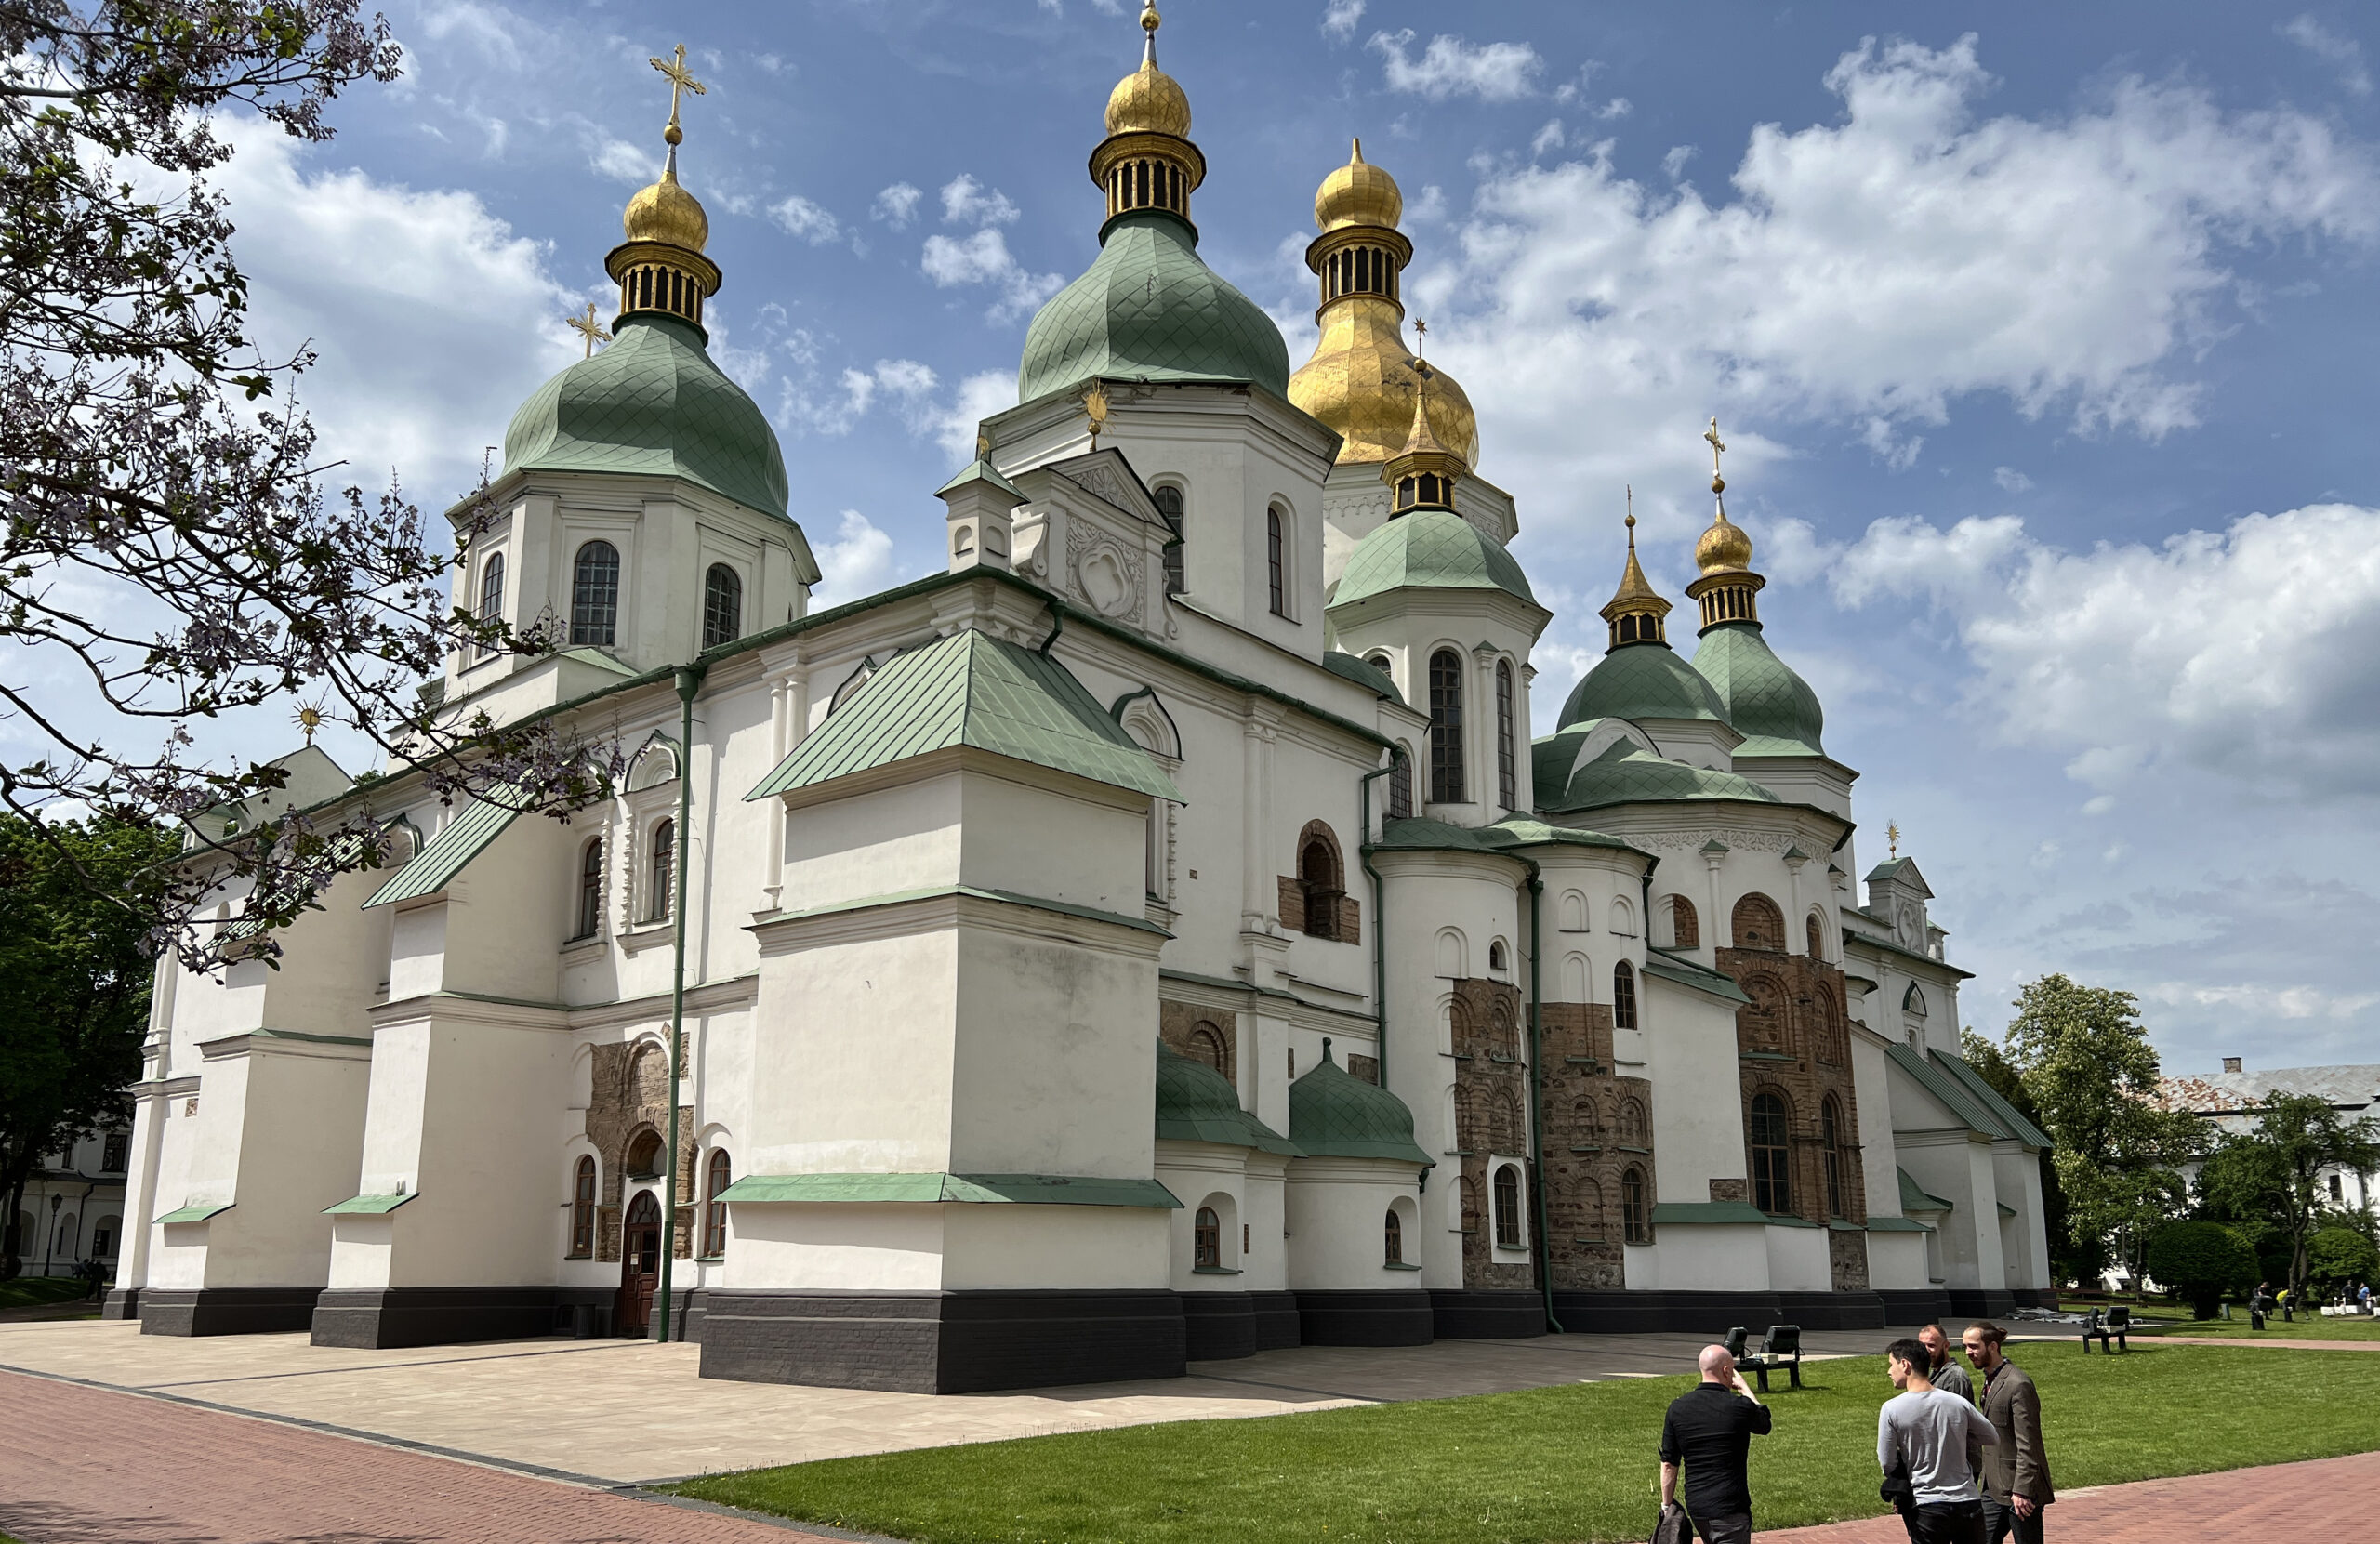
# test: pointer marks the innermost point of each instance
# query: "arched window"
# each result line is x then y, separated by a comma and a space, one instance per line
1392, 1238
1206, 1045
1586, 1123
1471, 1218
1446, 728
722, 606
1636, 1224
1400, 785
1496, 958
1830, 1138
1320, 881
582, 1210
1507, 1207
1381, 664
1757, 924
1631, 1123
595, 595
1168, 499
491, 594
1772, 1187
1624, 995
591, 889
1816, 932
1914, 1001
1277, 562
663, 867
1207, 1240
645, 1155
1508, 782
714, 1210
1685, 927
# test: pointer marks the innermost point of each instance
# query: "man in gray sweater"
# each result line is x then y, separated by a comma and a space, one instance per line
1926, 1432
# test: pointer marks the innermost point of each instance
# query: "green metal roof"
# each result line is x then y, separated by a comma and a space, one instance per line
981, 471
466, 837
1641, 680
197, 1212
652, 403
1037, 1189
1914, 1196
1370, 676
1669, 967
1938, 1082
970, 688
1196, 1104
1768, 704
1429, 549
1990, 1098
1712, 1214
1421, 834
369, 1206
1898, 1224
1148, 308
1333, 1114
1625, 773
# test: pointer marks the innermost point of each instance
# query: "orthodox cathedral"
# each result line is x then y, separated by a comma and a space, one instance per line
1153, 938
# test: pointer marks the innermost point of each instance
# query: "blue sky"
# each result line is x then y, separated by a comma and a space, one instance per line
2040, 335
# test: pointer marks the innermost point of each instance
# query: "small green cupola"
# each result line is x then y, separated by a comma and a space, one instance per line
1335, 1116
1429, 549
1196, 1104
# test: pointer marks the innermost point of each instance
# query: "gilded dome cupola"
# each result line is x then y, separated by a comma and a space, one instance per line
1727, 584
1422, 475
1635, 610
1361, 380
1147, 160
660, 265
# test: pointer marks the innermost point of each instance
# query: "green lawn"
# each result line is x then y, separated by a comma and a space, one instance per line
34, 1291
1561, 1465
2172, 1319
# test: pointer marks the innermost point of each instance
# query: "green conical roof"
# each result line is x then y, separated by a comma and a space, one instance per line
1430, 550
652, 403
1333, 1114
1148, 307
1768, 704
1641, 680
1625, 773
1196, 1104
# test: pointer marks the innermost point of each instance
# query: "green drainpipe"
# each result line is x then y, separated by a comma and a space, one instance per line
689, 679
1537, 1096
1380, 930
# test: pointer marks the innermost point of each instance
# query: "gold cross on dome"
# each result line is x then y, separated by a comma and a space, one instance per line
1892, 836
680, 79
1095, 403
589, 328
1716, 446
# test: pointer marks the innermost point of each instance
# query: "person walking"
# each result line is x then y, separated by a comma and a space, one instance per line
1708, 1429
1926, 1432
1944, 1372
2016, 1473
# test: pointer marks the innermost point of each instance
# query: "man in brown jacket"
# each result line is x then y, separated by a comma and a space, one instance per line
2015, 1471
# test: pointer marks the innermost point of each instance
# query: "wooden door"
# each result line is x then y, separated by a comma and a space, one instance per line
640, 1267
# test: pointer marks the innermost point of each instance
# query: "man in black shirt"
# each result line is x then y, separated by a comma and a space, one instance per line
1709, 1430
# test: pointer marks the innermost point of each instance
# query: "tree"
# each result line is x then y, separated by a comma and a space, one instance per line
2086, 1060
2335, 1256
75, 974
1993, 1065
2274, 1172
2200, 1262
168, 548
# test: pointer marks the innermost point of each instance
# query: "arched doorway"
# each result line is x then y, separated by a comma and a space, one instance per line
640, 1266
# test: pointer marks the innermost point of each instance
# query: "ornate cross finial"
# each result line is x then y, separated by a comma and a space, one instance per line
1095, 401
1718, 483
1631, 512
982, 445
1892, 838
589, 328
680, 79
310, 719
1150, 21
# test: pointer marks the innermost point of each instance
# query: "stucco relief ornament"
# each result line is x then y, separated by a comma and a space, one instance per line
1694, 841
1106, 574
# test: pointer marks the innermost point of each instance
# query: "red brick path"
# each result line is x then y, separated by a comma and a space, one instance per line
2330, 1499
86, 1466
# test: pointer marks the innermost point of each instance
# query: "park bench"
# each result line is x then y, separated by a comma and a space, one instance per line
2116, 1325
1780, 1348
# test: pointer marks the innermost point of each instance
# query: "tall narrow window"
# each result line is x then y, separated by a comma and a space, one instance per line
595, 595
1318, 877
1446, 727
1169, 504
1624, 995
1685, 927
591, 889
1207, 1240
491, 595
664, 870
1830, 1135
1400, 785
1772, 1188
722, 606
1392, 1230
1635, 1225
582, 1210
1508, 791
1507, 1207
715, 1210
1276, 562
1817, 935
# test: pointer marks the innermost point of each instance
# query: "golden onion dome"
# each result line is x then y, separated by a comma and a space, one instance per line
1726, 547
1148, 101
666, 212
1357, 193
1360, 382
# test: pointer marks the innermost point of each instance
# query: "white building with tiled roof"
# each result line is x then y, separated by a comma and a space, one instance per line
2234, 1099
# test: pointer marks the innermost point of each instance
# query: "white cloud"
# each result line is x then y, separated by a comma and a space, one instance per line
2340, 51
2289, 1002
897, 205
809, 404
1619, 107
2011, 480
966, 201
797, 217
978, 397
1428, 209
856, 563
1339, 19
1492, 72
984, 259
2243, 653
623, 161
1674, 162
1549, 138
1894, 452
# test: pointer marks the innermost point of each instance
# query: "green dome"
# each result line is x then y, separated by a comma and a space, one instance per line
1334, 1115
1641, 680
652, 403
1768, 704
1196, 1104
1148, 308
1429, 549
1628, 774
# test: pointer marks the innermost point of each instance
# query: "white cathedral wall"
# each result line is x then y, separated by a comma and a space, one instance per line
1798, 1261
1727, 1257
955, 1247
1337, 1224
858, 1247
1697, 1097
1897, 1262
1957, 1166
1878, 1157
2016, 1182
279, 1133
1203, 1174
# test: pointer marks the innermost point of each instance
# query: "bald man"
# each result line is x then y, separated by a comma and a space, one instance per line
1709, 1430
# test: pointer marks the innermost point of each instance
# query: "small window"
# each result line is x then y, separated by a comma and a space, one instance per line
1507, 779
590, 889
1392, 1238
1446, 728
1914, 1001
1634, 1221
492, 593
722, 606
1507, 1207
1624, 995
1400, 785
595, 595
1771, 1130
1496, 958
1277, 560
1320, 881
1757, 924
1685, 927
715, 1210
1381, 664
663, 867
1830, 1144
114, 1151
1815, 935
645, 1155
2337, 1190
1207, 1240
582, 1210
1168, 499
103, 1240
